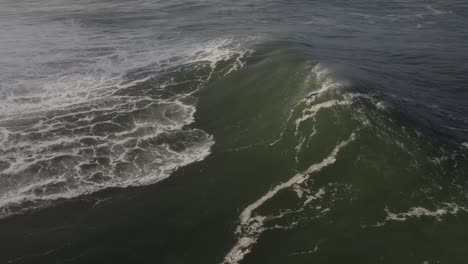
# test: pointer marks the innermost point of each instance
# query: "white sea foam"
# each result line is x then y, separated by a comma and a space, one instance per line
311, 111
438, 11
419, 212
80, 132
316, 248
64, 89
324, 75
299, 146
251, 226
283, 130
381, 105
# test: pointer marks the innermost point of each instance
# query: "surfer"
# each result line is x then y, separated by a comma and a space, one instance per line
310, 97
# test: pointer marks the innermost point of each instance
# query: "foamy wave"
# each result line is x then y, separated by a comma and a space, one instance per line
38, 192
66, 89
324, 75
81, 133
252, 226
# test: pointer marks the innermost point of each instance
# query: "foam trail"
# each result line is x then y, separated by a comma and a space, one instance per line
418, 212
316, 248
251, 227
311, 112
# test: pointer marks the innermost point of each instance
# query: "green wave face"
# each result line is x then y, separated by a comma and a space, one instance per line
345, 172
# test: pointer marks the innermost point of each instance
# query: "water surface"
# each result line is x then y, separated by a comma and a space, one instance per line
174, 132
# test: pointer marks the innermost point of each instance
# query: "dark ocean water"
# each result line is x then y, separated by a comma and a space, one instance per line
174, 131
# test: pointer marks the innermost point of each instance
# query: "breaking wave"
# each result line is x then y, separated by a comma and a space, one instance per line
81, 133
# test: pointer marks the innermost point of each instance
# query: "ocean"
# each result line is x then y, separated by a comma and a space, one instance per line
175, 131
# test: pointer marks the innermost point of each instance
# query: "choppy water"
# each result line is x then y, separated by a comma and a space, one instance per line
184, 117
